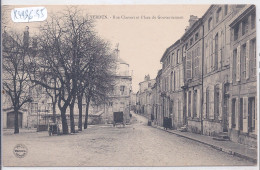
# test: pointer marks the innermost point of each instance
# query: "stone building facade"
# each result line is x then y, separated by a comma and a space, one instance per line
119, 100
192, 43
243, 77
208, 77
144, 96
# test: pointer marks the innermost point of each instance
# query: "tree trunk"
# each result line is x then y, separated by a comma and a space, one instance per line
86, 117
16, 125
80, 112
54, 111
64, 121
72, 124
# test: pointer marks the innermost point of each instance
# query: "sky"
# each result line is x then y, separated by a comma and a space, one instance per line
143, 32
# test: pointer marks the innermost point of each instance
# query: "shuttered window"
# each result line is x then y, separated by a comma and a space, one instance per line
247, 59
188, 66
238, 65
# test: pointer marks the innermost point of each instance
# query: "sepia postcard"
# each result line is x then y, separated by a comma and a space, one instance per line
129, 85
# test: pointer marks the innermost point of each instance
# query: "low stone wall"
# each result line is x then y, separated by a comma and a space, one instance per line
194, 126
211, 128
243, 138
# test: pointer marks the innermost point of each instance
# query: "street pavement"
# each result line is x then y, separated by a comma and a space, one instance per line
104, 145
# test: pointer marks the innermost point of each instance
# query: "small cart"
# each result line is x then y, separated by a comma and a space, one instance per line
54, 128
118, 119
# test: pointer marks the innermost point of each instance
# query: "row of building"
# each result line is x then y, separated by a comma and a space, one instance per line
208, 80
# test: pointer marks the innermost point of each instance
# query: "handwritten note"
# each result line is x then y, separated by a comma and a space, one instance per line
30, 14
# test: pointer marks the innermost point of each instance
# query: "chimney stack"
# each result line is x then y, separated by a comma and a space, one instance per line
192, 20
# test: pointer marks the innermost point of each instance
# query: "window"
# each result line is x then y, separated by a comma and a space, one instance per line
188, 66
244, 26
196, 36
252, 58
236, 31
226, 9
195, 103
233, 117
218, 15
110, 103
207, 103
34, 108
234, 64
172, 59
241, 114
49, 107
243, 59
183, 52
171, 80
196, 62
216, 102
252, 119
178, 56
122, 89
189, 104
174, 80
253, 21
209, 23
191, 41
216, 52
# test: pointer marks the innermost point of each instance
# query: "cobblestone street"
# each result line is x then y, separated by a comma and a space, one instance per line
103, 145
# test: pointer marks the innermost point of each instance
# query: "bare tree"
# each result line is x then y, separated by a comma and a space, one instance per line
15, 78
100, 76
68, 49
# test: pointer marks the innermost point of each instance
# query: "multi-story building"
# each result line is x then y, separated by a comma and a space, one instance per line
133, 101
158, 117
211, 84
144, 96
216, 67
119, 100
242, 126
172, 82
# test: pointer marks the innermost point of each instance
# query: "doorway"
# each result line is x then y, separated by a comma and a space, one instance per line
11, 119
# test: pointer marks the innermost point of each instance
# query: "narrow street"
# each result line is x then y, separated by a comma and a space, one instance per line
104, 145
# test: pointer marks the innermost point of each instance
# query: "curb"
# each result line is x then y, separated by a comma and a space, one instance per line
228, 151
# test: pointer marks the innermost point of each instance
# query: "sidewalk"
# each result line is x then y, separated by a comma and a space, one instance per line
229, 147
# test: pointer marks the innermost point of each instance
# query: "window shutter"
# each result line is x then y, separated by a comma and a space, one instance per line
245, 107
213, 54
188, 66
181, 79
247, 59
187, 104
245, 114
220, 102
231, 67
177, 74
238, 64
219, 49
198, 102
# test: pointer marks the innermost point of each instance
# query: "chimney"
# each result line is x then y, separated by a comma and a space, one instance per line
192, 20
186, 28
